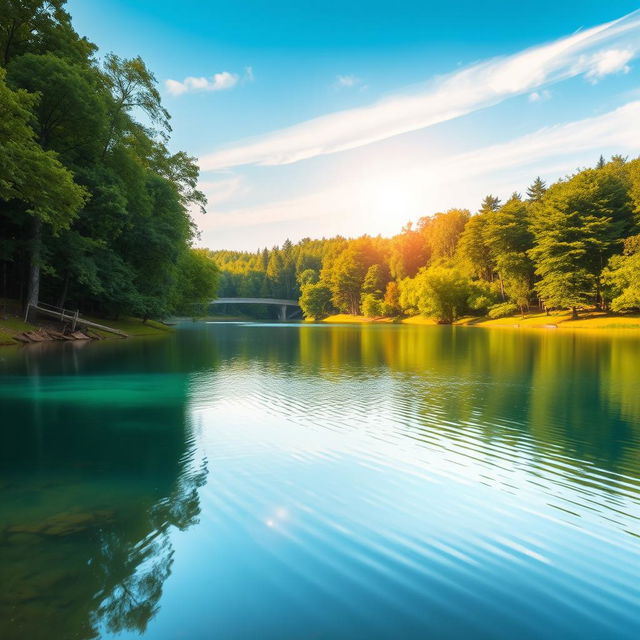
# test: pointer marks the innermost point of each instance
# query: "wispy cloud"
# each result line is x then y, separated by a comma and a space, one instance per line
618, 129
217, 82
607, 62
346, 82
584, 53
352, 207
540, 96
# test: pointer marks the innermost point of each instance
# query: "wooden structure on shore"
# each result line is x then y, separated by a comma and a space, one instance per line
72, 318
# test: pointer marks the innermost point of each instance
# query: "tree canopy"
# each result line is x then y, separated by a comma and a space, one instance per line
566, 246
94, 207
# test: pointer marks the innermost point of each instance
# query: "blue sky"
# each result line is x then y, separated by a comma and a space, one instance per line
318, 118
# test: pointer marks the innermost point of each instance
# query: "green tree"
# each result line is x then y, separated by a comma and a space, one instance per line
408, 252
622, 277
490, 203
508, 238
536, 191
375, 280
315, 300
577, 227
32, 178
442, 232
473, 253
372, 306
197, 279
439, 292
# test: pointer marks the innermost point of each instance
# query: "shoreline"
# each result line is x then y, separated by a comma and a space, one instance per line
12, 326
588, 320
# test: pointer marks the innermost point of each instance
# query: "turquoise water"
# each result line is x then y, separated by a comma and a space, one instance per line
274, 481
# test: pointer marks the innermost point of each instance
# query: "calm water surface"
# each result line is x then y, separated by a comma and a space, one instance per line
265, 481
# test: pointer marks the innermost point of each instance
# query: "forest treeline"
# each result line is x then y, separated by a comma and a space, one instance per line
571, 245
94, 208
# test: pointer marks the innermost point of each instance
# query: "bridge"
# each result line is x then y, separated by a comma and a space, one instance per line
283, 304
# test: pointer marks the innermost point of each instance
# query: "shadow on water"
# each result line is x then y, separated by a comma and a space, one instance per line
98, 465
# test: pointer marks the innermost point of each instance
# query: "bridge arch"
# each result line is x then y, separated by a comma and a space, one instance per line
280, 302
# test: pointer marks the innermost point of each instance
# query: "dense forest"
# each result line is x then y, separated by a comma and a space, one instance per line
94, 208
574, 244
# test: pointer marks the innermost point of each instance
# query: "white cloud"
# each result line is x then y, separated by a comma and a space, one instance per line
618, 129
607, 62
383, 202
540, 96
217, 82
346, 81
473, 88
248, 74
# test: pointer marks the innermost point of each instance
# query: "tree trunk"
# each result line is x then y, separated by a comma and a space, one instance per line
574, 313
65, 287
33, 292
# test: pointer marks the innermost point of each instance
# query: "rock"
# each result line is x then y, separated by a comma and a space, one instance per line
63, 524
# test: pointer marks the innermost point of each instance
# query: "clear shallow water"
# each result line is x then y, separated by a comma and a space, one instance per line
247, 481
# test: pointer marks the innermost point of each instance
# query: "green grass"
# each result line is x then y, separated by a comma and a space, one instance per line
10, 326
131, 326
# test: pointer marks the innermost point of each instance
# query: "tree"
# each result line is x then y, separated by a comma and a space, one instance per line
132, 86
33, 178
408, 252
197, 280
508, 238
392, 299
442, 232
38, 26
578, 226
372, 305
308, 276
473, 253
536, 191
622, 277
438, 292
346, 273
490, 203
315, 300
375, 280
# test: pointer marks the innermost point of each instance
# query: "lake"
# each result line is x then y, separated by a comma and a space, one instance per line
319, 481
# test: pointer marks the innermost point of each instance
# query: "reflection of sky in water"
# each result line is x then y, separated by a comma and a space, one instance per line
361, 482
355, 501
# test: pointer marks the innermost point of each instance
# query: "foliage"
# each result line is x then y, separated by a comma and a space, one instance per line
502, 310
550, 248
438, 291
94, 210
622, 277
372, 306
577, 227
315, 300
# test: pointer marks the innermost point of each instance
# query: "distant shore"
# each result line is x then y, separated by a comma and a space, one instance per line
596, 320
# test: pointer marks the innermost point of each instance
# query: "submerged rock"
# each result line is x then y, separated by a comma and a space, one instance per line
63, 524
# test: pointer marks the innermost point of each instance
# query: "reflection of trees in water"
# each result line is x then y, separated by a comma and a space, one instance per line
97, 467
576, 391
134, 574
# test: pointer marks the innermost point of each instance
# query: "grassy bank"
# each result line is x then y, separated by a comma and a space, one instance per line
597, 320
12, 323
